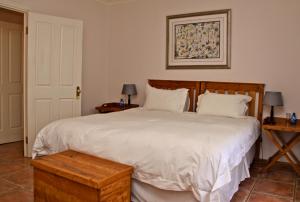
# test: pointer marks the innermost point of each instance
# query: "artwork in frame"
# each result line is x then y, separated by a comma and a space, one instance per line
199, 40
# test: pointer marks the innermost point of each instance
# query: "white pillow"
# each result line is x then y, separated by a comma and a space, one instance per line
223, 104
167, 100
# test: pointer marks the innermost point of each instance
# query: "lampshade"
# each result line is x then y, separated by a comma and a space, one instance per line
273, 98
129, 89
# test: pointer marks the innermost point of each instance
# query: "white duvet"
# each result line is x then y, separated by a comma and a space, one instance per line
171, 151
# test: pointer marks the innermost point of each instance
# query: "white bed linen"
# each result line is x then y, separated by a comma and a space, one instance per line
171, 151
142, 192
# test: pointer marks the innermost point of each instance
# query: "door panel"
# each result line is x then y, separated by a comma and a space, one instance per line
11, 84
67, 55
69, 106
15, 56
43, 114
15, 111
54, 71
43, 49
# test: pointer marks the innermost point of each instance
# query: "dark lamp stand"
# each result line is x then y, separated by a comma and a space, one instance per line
270, 120
129, 102
272, 99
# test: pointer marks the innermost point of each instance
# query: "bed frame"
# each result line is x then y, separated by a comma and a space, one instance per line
254, 90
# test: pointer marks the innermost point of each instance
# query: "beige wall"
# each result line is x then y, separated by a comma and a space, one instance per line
265, 46
93, 14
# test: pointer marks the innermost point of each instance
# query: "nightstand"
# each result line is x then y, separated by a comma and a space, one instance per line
114, 107
284, 148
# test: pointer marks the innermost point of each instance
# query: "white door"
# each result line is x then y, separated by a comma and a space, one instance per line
11, 113
53, 72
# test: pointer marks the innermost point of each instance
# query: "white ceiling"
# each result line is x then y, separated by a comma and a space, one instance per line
113, 2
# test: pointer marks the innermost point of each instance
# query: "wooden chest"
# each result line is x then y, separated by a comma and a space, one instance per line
72, 176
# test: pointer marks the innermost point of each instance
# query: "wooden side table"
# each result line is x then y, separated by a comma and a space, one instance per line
284, 148
114, 107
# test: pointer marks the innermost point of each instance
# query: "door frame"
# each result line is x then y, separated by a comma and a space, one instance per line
14, 6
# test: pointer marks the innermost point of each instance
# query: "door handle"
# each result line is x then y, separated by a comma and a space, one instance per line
78, 92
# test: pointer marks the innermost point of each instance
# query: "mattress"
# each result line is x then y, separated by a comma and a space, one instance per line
170, 151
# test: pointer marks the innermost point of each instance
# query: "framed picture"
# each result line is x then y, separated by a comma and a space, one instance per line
199, 40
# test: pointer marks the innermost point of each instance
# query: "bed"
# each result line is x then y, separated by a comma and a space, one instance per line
177, 157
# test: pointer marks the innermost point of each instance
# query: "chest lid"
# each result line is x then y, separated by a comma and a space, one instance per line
82, 168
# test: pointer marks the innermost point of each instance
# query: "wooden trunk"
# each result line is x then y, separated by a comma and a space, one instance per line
74, 177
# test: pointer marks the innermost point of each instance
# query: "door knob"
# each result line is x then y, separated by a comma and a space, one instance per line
78, 92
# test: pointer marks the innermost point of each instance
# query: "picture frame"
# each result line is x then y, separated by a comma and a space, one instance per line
199, 40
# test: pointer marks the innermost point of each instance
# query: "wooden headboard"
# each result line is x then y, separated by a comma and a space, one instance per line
255, 90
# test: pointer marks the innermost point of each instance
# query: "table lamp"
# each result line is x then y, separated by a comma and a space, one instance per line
129, 89
272, 99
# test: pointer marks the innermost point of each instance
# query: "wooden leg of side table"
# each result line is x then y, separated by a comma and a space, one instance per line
284, 150
290, 152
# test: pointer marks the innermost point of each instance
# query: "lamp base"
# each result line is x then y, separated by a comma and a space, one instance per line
269, 121
129, 102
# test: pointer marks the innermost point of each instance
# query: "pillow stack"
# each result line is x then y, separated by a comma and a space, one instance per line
223, 104
166, 100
